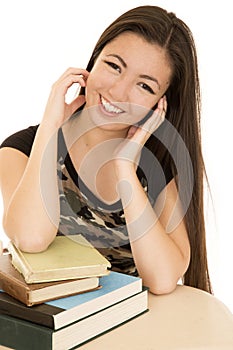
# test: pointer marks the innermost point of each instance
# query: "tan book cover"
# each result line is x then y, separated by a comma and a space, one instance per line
13, 283
67, 257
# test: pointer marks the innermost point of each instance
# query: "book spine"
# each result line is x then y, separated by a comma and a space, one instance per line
17, 291
41, 314
19, 263
22, 335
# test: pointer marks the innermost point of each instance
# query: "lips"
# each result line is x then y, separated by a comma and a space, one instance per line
109, 107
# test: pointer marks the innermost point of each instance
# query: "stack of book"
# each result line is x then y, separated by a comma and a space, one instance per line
47, 307
69, 266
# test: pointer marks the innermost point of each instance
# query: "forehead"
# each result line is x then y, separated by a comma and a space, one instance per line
137, 51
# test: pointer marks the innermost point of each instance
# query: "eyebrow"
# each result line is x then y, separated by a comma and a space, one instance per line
144, 76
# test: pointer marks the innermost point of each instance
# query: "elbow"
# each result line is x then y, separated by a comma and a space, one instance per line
35, 245
162, 289
30, 242
162, 285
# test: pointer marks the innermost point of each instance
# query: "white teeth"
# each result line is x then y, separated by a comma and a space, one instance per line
109, 107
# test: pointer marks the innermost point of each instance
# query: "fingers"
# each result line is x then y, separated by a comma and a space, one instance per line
1, 247
158, 116
79, 72
138, 135
163, 102
142, 134
69, 77
58, 109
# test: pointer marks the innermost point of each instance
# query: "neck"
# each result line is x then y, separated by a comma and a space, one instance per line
83, 130
97, 136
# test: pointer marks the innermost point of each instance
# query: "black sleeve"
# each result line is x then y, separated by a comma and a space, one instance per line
21, 140
157, 164
156, 173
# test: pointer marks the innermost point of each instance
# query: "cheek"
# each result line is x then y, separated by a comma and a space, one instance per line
90, 83
91, 89
92, 86
100, 78
147, 102
143, 109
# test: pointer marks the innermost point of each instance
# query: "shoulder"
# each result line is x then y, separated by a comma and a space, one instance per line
21, 140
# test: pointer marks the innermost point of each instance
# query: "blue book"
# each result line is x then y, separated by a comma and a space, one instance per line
59, 313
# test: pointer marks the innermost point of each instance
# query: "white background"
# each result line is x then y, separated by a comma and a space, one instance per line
39, 40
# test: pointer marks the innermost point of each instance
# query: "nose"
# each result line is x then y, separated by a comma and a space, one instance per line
120, 90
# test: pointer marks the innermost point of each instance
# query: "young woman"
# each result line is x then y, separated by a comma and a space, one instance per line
121, 163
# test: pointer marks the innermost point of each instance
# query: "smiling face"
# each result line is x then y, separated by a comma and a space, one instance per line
128, 78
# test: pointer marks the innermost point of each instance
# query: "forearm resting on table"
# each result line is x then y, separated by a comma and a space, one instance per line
159, 260
31, 216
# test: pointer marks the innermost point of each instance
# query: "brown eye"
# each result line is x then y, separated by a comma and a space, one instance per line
147, 88
113, 65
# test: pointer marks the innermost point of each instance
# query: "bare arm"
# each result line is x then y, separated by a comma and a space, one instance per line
26, 219
161, 258
29, 185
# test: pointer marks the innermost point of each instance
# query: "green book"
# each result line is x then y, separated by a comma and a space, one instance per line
24, 335
67, 257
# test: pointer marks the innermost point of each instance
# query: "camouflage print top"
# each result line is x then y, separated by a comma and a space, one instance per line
82, 212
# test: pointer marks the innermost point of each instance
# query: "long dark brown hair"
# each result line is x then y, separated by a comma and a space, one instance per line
162, 28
